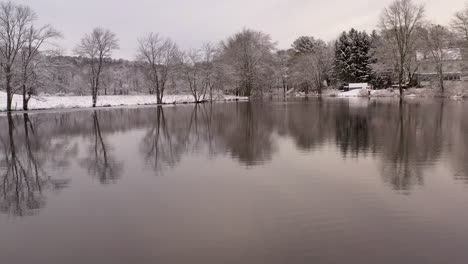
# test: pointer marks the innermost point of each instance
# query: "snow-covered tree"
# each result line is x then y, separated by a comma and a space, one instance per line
161, 57
32, 60
247, 62
311, 66
437, 41
399, 23
96, 48
304, 44
353, 57
459, 25
283, 68
15, 21
193, 72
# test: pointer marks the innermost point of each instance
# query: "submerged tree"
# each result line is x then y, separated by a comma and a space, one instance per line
97, 47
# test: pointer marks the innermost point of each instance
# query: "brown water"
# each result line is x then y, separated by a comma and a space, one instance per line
305, 181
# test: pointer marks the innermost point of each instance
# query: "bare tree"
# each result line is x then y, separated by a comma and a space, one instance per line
96, 48
283, 69
248, 62
398, 23
31, 59
199, 72
161, 56
209, 67
311, 66
437, 40
193, 74
460, 24
15, 21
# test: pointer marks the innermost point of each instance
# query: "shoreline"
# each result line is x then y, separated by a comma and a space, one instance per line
105, 101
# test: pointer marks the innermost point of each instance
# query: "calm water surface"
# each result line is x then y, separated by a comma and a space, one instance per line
304, 181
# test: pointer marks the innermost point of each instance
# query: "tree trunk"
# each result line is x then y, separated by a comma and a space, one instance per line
25, 77
94, 93
401, 74
9, 100
8, 89
25, 99
441, 78
211, 92
158, 97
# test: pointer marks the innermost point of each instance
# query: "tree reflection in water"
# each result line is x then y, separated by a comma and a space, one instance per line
24, 178
157, 145
100, 162
406, 140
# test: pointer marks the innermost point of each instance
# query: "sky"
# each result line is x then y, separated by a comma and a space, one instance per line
191, 23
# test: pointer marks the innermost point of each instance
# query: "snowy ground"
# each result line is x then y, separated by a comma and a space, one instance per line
453, 90
410, 93
355, 93
60, 102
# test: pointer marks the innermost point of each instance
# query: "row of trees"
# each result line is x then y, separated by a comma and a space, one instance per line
245, 64
393, 53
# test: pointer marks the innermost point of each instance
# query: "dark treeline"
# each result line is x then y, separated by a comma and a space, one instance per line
247, 63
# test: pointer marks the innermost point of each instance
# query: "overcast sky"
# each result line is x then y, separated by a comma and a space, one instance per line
190, 23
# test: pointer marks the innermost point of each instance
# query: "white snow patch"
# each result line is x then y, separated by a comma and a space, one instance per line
355, 93
58, 102
384, 93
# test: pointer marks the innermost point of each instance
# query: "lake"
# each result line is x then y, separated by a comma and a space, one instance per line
300, 181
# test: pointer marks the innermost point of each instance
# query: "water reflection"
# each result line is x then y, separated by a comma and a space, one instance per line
24, 176
405, 140
246, 132
100, 162
158, 146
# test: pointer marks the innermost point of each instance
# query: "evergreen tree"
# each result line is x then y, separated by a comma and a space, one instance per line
353, 57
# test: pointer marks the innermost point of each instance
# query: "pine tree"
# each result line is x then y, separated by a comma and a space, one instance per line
353, 57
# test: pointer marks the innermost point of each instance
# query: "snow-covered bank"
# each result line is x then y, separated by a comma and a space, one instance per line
62, 102
355, 93
408, 93
369, 93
